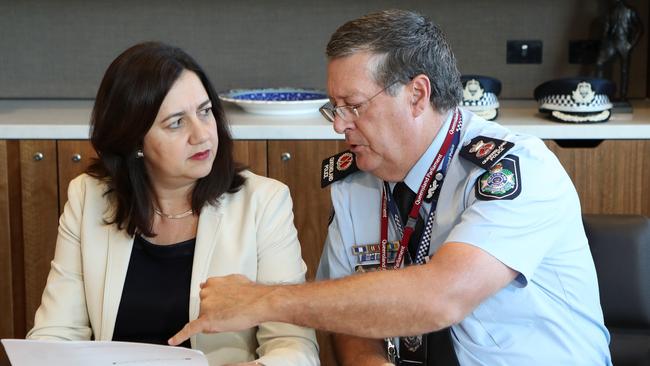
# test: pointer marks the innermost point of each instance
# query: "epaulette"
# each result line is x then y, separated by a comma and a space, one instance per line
485, 151
337, 167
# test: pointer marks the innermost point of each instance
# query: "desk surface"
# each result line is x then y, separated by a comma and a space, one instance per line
68, 119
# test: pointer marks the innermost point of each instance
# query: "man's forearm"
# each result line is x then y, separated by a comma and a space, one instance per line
374, 305
410, 301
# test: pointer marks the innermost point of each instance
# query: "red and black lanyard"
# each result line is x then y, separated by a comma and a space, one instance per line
445, 153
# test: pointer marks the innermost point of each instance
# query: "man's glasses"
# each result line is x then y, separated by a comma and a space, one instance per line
348, 113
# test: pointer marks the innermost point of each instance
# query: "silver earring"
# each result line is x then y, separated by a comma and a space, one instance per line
139, 154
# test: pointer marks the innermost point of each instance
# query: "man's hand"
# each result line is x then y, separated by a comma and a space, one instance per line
229, 303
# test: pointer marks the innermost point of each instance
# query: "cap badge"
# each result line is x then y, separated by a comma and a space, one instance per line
473, 91
583, 93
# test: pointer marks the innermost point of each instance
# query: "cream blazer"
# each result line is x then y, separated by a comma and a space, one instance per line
250, 232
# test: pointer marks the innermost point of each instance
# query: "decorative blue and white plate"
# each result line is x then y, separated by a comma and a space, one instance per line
276, 101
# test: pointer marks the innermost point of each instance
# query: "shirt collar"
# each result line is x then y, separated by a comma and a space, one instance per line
415, 176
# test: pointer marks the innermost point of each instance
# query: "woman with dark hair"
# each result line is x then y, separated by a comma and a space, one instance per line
162, 209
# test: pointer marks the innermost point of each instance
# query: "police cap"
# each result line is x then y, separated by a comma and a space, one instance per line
577, 100
480, 95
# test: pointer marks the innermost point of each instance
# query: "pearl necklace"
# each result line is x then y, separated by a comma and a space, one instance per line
173, 217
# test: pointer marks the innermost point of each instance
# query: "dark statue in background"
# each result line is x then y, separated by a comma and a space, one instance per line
622, 31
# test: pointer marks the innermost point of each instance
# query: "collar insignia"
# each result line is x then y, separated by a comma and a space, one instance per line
434, 188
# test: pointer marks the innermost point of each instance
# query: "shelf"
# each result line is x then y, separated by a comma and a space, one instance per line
68, 119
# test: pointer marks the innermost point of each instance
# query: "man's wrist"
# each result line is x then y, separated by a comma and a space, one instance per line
275, 306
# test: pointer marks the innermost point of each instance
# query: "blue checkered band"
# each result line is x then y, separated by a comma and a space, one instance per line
566, 103
423, 250
487, 101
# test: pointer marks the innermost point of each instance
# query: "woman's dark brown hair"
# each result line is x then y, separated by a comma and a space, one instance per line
126, 105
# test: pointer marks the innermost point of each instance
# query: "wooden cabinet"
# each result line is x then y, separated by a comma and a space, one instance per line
252, 154
73, 157
34, 177
6, 276
612, 177
298, 164
12, 297
39, 213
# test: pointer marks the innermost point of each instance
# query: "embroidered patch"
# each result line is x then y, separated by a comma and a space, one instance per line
337, 167
485, 151
344, 161
502, 181
482, 148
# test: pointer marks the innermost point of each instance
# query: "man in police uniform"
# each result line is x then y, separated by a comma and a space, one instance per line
500, 255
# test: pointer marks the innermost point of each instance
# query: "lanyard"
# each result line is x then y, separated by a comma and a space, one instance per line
445, 153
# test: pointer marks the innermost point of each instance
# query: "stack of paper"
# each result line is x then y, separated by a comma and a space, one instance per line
99, 353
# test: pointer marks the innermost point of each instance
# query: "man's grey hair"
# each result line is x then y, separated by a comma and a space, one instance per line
407, 44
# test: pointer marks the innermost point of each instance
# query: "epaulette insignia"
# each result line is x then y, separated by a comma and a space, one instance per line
501, 182
337, 167
485, 151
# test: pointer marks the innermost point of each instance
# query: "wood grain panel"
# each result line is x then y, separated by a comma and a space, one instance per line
6, 278
311, 204
39, 197
252, 153
613, 177
69, 167
16, 234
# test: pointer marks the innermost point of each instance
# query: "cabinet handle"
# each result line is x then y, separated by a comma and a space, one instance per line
285, 156
38, 156
76, 158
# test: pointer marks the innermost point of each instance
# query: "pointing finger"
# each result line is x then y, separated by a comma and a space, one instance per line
194, 327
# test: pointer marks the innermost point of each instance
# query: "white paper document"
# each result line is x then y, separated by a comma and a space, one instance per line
99, 353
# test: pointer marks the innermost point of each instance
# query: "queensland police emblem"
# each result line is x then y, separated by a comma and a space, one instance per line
472, 91
502, 181
482, 148
485, 151
337, 167
344, 161
583, 93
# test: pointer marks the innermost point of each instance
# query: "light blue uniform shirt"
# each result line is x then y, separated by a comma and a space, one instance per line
549, 315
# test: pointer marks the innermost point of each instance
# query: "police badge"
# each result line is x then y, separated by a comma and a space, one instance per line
502, 181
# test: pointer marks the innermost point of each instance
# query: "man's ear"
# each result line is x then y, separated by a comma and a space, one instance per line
420, 92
